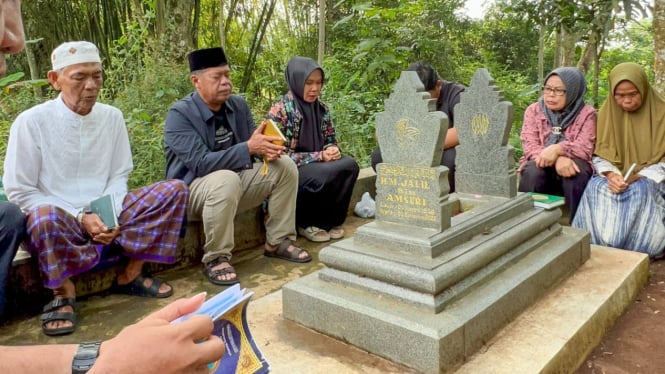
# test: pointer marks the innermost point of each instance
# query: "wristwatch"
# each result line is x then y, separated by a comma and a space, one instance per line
85, 357
79, 216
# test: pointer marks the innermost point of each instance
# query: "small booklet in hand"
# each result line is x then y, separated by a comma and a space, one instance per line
104, 207
545, 201
228, 310
272, 129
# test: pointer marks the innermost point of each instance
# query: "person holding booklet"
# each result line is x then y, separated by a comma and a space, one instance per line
165, 347
325, 177
623, 205
212, 144
558, 136
155, 344
62, 155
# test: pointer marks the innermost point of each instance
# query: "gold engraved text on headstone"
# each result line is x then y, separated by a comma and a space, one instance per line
405, 193
480, 124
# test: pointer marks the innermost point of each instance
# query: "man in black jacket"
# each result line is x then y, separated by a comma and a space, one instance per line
212, 144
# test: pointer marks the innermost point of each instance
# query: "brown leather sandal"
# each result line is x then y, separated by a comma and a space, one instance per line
282, 252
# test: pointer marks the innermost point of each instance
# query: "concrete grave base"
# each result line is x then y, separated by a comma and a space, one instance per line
552, 336
432, 342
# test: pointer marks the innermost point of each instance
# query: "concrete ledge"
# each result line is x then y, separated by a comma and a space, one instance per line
25, 286
553, 336
560, 330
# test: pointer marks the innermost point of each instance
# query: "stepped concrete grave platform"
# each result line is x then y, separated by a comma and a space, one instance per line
437, 275
554, 335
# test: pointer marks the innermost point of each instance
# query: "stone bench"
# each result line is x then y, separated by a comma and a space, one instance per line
25, 294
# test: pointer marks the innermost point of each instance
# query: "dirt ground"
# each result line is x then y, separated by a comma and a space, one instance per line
636, 342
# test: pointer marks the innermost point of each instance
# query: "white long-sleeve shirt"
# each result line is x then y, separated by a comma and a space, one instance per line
58, 157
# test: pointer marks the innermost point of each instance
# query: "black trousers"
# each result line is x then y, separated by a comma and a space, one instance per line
12, 232
324, 192
547, 181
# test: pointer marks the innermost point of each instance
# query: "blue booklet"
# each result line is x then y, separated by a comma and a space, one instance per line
104, 207
228, 310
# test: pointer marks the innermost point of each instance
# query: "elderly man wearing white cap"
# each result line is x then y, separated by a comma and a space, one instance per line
152, 336
67, 152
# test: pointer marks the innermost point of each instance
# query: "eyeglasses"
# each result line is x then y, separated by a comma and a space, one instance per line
553, 90
628, 95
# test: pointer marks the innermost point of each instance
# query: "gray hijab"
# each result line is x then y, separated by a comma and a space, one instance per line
298, 70
575, 85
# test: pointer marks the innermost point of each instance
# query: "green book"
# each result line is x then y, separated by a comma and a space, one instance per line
104, 207
545, 201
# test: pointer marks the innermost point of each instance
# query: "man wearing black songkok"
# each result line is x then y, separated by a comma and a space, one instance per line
212, 144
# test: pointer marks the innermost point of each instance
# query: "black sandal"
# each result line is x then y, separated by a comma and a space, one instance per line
213, 274
50, 314
137, 288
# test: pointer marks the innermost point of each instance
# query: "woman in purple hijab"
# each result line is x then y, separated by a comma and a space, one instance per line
326, 177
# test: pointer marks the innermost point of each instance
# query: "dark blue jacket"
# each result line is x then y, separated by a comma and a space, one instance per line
190, 138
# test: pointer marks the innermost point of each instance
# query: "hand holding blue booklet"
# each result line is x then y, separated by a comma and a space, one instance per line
228, 310
104, 207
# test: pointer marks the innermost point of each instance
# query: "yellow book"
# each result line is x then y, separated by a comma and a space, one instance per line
272, 129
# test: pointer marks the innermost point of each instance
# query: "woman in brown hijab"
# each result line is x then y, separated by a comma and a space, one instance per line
623, 205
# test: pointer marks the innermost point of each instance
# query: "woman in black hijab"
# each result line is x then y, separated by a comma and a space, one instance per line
326, 178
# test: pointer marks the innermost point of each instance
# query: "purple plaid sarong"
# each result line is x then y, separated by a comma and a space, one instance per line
150, 224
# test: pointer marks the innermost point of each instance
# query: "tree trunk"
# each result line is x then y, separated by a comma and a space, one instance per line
173, 23
262, 25
222, 35
32, 65
659, 44
557, 49
541, 53
568, 42
322, 31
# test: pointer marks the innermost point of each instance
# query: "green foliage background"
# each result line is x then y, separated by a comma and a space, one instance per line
368, 44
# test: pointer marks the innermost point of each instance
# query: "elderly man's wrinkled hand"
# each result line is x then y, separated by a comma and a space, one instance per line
263, 145
97, 230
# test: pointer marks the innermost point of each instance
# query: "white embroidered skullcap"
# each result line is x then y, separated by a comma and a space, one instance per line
70, 53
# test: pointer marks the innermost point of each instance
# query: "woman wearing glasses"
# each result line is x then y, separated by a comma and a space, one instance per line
558, 136
623, 205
